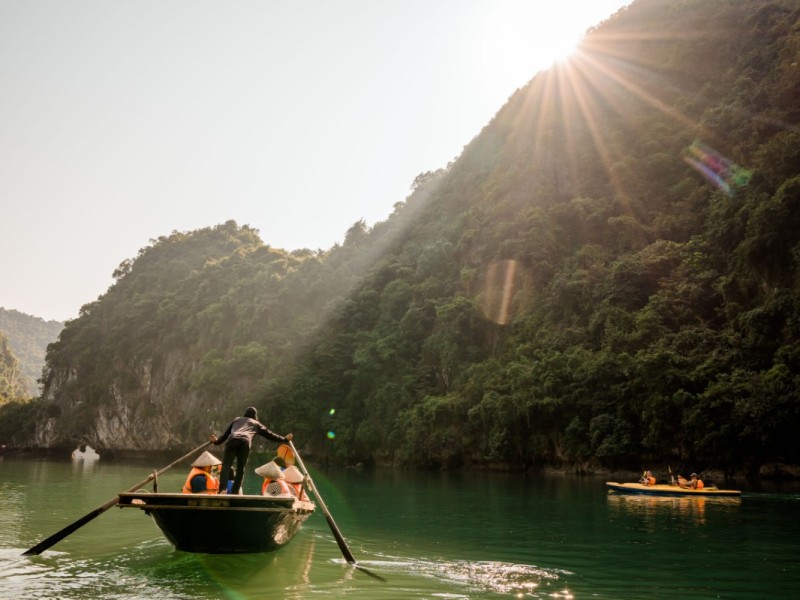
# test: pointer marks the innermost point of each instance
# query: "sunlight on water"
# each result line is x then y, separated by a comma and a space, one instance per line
54, 575
484, 576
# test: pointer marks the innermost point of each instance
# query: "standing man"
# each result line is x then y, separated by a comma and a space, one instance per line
238, 438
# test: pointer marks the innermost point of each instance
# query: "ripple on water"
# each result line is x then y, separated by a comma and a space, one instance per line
56, 574
15, 567
517, 580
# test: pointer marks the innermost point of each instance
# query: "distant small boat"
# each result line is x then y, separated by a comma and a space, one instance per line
667, 490
222, 524
88, 454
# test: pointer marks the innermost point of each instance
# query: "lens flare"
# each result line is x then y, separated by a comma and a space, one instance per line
499, 289
716, 168
331, 435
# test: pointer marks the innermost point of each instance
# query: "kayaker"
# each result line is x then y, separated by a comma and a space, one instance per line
648, 478
696, 483
238, 438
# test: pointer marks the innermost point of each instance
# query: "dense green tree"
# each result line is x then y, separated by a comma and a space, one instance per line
28, 338
568, 291
12, 386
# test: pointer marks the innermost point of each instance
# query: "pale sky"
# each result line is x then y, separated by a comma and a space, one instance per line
121, 121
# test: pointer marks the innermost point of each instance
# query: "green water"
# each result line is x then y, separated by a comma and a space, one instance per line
437, 535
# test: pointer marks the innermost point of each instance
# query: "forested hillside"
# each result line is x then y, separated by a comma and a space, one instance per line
12, 385
574, 291
28, 337
607, 275
196, 327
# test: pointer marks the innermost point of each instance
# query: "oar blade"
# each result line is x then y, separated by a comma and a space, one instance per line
370, 573
345, 549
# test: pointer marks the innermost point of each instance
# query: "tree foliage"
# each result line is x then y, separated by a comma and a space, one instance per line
568, 291
29, 337
12, 385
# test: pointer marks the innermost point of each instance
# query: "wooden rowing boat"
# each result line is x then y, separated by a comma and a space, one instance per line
222, 524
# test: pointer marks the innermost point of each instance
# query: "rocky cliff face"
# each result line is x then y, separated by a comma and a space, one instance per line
144, 408
193, 330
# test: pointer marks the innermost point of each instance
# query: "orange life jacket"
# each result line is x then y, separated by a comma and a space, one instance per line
651, 481
275, 487
699, 485
212, 483
297, 490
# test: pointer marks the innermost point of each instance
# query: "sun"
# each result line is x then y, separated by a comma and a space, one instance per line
523, 37
552, 30
558, 47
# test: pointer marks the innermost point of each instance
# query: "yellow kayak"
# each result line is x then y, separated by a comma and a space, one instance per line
667, 490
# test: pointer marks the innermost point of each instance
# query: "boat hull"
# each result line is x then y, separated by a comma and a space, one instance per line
666, 490
222, 524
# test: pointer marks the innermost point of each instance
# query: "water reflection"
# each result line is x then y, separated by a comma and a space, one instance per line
13, 510
295, 592
85, 468
690, 509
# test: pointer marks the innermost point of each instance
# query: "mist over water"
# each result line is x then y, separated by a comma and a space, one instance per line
430, 535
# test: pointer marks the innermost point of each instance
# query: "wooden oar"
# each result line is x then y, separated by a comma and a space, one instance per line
60, 535
348, 556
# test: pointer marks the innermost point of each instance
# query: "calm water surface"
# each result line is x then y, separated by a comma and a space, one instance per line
445, 536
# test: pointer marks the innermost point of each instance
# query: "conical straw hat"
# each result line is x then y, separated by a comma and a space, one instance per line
206, 459
293, 475
270, 471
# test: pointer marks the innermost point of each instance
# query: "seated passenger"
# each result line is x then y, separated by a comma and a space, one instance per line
648, 478
295, 480
201, 480
274, 481
695, 483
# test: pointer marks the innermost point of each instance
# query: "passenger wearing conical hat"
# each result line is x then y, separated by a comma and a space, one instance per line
295, 480
201, 479
274, 481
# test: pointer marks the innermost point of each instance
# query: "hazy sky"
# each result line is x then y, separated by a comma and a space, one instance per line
121, 121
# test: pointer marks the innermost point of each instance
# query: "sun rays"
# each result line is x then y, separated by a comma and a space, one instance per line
574, 102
